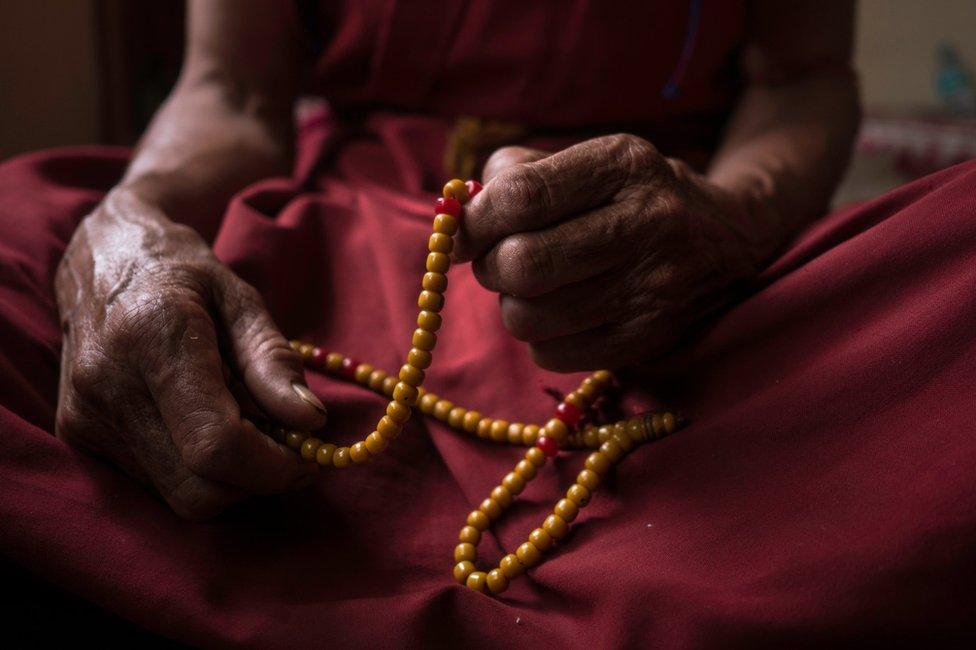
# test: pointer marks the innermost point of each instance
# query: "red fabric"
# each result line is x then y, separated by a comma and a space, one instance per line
825, 490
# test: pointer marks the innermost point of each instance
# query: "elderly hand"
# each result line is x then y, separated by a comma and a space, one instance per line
155, 329
605, 253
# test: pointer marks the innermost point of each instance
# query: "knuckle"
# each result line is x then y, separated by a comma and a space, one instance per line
90, 374
522, 189
207, 444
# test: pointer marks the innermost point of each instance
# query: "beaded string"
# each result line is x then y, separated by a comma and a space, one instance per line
565, 430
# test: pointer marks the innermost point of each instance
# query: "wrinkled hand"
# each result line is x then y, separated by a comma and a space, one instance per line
155, 331
604, 253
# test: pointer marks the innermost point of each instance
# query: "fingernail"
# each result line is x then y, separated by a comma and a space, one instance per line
309, 397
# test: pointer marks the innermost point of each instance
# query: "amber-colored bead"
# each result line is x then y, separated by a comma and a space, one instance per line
478, 520
528, 554
389, 384
497, 582
376, 443
359, 453
499, 430
465, 551
566, 509
446, 224
295, 344
455, 189
619, 435
427, 403
556, 526
576, 400
588, 479
514, 483
309, 447
341, 458
470, 534
511, 566
598, 462
362, 373
470, 421
484, 427
491, 508
323, 455
535, 456
388, 427
587, 392
612, 450
411, 374
525, 469
530, 434
419, 358
578, 494
603, 433
515, 433
590, 437
434, 282
501, 494
462, 570
437, 263
430, 301
294, 439
440, 243
376, 379
635, 430
477, 581
405, 393
398, 412
603, 377
333, 362
305, 349
670, 422
429, 320
456, 416
423, 340
557, 430
442, 409
540, 539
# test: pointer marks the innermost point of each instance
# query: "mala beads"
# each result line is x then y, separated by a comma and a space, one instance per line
609, 443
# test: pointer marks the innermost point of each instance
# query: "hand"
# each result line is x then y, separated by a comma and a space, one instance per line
146, 309
605, 253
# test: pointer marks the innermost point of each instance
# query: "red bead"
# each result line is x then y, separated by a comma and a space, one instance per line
349, 366
318, 357
569, 413
447, 206
473, 188
548, 446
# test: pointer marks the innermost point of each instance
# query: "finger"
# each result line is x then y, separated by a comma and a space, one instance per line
533, 263
606, 346
533, 195
203, 418
567, 310
271, 370
508, 157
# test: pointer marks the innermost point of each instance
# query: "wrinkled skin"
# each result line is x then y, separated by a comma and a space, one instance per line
166, 355
605, 253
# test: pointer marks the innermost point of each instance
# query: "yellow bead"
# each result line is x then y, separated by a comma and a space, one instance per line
670, 422
603, 433
556, 429
578, 494
484, 427
456, 417
323, 455
376, 379
477, 581
429, 320
515, 433
295, 344
536, 456
362, 373
479, 520
411, 374
442, 409
540, 539
577, 400
305, 350
590, 438
462, 570
528, 555
530, 434
470, 534
502, 496
619, 435
556, 526
635, 430
405, 393
333, 361
434, 282
423, 340
465, 551
440, 243
491, 508
419, 358
497, 582
445, 224
389, 384
566, 509
359, 453
309, 448
376, 443
430, 301
499, 430
437, 263
587, 392
603, 377
341, 458
398, 412
470, 421
511, 566
456, 189
612, 450
294, 439
514, 483
427, 402
387, 427
588, 479
525, 469
598, 462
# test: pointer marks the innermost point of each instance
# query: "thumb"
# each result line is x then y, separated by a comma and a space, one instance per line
271, 370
